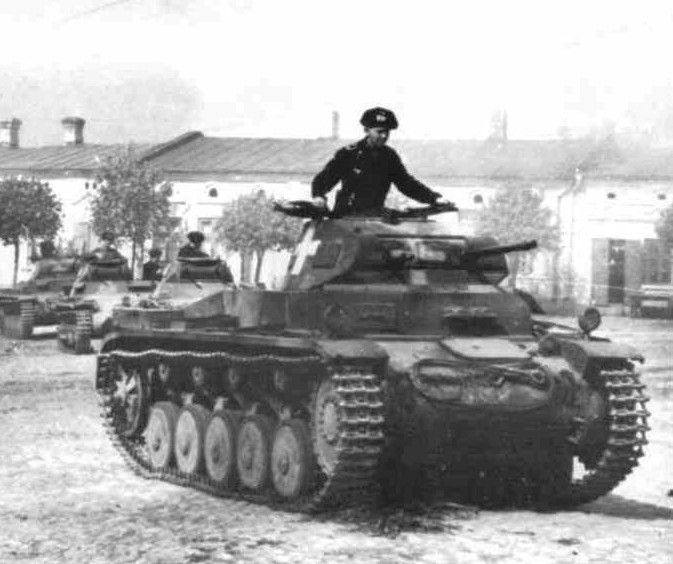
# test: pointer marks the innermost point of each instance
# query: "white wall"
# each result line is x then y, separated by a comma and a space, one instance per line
590, 214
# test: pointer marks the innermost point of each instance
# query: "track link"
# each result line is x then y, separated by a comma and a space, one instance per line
627, 427
360, 432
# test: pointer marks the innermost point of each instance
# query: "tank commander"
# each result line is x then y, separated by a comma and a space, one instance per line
366, 170
193, 247
107, 251
152, 269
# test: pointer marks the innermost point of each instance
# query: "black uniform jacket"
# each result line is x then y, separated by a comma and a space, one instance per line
152, 270
191, 252
365, 177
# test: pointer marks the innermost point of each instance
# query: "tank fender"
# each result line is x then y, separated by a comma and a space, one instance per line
351, 349
111, 342
583, 355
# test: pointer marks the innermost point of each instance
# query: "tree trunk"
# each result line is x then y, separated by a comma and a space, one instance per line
16, 262
246, 266
259, 253
133, 260
141, 260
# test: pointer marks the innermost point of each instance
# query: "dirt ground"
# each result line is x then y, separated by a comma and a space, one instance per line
66, 496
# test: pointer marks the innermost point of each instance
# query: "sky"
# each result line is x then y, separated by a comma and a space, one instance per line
149, 70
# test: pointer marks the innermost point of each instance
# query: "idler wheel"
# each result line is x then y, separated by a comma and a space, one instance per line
131, 398
252, 451
219, 448
291, 461
189, 432
327, 421
160, 433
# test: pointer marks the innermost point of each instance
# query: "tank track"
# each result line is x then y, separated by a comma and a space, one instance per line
20, 326
361, 429
79, 324
626, 438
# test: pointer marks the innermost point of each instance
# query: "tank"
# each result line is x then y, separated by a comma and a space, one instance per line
85, 310
390, 359
32, 303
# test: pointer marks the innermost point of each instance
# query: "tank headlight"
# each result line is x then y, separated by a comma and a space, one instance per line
590, 320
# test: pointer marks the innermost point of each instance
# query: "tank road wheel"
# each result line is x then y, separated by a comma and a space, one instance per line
291, 460
327, 418
83, 331
219, 448
131, 400
160, 433
20, 326
189, 432
252, 451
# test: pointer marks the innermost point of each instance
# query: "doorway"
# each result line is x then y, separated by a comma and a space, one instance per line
616, 261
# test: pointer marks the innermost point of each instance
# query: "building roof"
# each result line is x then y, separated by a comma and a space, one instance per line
60, 160
196, 155
425, 159
193, 155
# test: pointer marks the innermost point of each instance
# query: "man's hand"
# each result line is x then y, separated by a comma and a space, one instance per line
441, 201
319, 202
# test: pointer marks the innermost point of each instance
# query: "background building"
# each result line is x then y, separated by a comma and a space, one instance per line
606, 198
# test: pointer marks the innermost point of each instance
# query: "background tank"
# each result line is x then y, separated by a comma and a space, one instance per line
32, 303
85, 310
390, 358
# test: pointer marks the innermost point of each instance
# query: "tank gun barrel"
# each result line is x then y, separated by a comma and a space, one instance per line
501, 249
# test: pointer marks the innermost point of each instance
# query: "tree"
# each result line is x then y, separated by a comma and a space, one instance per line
28, 210
250, 226
664, 227
516, 213
131, 200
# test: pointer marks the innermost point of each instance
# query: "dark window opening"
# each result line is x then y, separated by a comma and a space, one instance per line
212, 192
661, 196
656, 262
616, 273
611, 195
478, 199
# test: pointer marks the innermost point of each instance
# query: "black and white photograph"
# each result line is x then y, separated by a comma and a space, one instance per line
319, 281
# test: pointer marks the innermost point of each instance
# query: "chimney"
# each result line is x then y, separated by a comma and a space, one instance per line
335, 125
73, 130
9, 132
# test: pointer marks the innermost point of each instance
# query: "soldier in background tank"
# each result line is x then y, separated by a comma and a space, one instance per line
366, 170
193, 247
107, 251
192, 250
152, 269
391, 352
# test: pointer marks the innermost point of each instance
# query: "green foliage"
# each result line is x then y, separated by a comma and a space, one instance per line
29, 210
516, 213
130, 198
249, 225
664, 227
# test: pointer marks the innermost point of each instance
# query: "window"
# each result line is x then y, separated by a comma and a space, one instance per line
212, 192
611, 195
656, 262
661, 196
478, 199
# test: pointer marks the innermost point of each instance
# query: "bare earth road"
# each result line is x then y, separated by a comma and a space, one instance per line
66, 496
